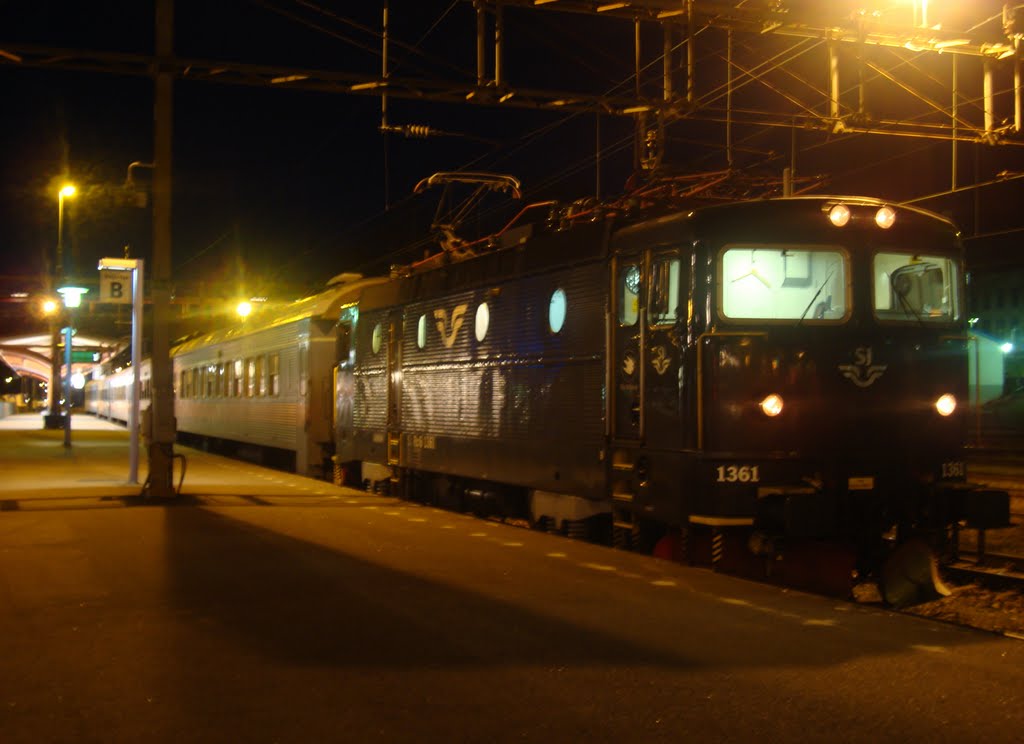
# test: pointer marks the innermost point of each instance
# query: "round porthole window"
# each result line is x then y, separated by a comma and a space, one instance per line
421, 332
378, 337
483, 320
556, 310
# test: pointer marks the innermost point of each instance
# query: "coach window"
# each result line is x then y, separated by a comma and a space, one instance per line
274, 374
421, 331
663, 307
239, 378
222, 380
261, 376
378, 338
182, 384
211, 381
556, 310
629, 294
483, 321
250, 377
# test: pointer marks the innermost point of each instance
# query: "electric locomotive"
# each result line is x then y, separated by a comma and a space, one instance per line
796, 368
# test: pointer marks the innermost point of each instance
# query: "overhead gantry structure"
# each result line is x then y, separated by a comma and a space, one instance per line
807, 64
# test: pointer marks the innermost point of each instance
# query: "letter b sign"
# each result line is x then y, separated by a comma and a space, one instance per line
116, 287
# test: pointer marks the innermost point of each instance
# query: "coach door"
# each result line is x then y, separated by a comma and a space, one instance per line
394, 374
626, 364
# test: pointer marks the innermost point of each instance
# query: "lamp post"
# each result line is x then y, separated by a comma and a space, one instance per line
72, 299
53, 418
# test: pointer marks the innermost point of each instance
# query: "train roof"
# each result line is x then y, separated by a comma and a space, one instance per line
342, 290
751, 216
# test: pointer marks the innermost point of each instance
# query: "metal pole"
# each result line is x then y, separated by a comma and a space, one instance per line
499, 41
161, 442
480, 45
956, 113
691, 54
52, 400
988, 94
133, 413
68, 333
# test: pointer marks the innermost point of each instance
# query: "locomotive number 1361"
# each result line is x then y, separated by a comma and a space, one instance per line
738, 474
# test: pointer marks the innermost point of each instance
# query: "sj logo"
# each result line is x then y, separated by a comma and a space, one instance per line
862, 372
660, 359
448, 334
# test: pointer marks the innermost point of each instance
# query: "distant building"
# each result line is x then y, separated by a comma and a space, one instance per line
996, 310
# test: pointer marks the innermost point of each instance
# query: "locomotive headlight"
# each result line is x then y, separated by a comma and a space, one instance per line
771, 406
885, 217
839, 215
945, 404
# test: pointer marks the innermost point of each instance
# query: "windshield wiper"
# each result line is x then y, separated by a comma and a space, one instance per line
816, 295
909, 309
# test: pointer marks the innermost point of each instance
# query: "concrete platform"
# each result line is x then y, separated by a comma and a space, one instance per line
38, 472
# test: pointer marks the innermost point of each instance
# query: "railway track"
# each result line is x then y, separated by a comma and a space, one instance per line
997, 571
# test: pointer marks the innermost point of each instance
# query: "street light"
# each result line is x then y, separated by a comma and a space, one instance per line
53, 419
72, 299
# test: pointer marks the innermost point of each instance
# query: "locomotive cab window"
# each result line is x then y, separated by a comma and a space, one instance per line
663, 306
629, 294
780, 282
916, 288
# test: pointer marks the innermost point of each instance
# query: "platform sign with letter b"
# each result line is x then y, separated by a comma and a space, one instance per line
116, 287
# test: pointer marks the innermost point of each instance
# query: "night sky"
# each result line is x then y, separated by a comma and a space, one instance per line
275, 185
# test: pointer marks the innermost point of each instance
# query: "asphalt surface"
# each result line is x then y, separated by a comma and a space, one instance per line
265, 607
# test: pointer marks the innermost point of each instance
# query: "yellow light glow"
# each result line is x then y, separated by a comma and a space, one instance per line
49, 307
68, 190
946, 404
772, 405
243, 309
839, 215
885, 217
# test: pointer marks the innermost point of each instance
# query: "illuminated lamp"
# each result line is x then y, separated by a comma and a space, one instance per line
839, 215
72, 295
78, 381
771, 406
885, 217
946, 404
1006, 348
243, 309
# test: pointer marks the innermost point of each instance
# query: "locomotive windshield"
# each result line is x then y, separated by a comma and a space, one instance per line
773, 282
915, 288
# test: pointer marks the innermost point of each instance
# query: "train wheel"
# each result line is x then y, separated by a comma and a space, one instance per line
911, 575
672, 546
